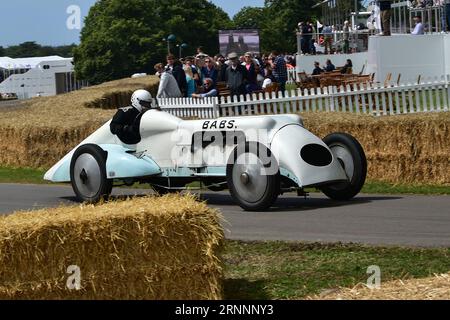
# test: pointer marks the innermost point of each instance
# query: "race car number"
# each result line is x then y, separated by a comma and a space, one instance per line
224, 124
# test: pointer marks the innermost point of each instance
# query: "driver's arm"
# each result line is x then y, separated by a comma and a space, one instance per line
119, 124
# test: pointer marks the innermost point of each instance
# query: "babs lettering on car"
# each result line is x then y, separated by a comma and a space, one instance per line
217, 124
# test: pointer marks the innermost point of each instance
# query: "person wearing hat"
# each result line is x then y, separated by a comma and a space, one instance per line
236, 75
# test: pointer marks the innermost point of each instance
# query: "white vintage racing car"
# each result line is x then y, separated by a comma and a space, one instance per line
257, 158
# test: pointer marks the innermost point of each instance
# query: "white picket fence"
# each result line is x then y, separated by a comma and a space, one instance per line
373, 99
207, 108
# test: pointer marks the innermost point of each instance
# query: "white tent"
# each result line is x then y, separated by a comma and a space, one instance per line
26, 63
39, 76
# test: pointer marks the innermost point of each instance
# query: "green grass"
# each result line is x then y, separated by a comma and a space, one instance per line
376, 187
35, 176
21, 175
280, 270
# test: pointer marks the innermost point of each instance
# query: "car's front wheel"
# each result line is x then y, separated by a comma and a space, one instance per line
253, 177
350, 154
88, 174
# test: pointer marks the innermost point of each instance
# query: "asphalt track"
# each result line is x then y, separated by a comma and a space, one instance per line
371, 219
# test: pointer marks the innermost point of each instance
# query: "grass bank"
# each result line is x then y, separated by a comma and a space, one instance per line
21, 175
280, 270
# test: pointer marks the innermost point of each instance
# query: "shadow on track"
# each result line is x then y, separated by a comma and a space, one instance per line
285, 204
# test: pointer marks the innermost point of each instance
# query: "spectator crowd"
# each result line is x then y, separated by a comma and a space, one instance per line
204, 76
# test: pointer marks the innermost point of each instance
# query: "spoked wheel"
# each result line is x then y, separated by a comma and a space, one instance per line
88, 174
350, 154
253, 177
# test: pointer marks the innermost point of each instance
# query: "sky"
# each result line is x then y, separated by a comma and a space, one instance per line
46, 21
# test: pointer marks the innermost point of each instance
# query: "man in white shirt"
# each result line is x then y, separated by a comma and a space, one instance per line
168, 86
418, 29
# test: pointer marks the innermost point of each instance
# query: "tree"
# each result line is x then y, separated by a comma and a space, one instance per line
281, 19
122, 37
23, 50
249, 18
32, 49
277, 22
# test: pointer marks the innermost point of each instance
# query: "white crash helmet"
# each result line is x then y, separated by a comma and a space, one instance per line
141, 99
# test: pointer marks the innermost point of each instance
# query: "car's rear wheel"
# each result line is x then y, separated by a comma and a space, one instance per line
350, 154
88, 174
253, 177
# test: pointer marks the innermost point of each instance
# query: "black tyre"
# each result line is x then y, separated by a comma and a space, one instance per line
253, 177
349, 152
88, 174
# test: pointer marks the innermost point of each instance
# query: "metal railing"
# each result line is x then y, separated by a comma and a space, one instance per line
358, 41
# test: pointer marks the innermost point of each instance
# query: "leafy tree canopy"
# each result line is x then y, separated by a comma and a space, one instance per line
249, 18
32, 49
123, 37
277, 22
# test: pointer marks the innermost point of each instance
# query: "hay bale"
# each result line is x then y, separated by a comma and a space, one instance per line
39, 147
432, 288
42, 130
400, 149
69, 110
145, 248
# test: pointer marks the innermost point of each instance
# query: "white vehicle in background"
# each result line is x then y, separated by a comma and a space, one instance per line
257, 158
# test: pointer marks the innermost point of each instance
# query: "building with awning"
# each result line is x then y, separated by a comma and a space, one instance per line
37, 76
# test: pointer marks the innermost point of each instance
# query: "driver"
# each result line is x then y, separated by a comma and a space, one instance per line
126, 121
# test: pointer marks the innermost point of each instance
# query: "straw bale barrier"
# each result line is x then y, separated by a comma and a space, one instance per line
144, 248
432, 288
39, 132
400, 149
